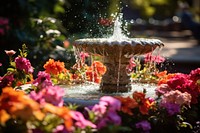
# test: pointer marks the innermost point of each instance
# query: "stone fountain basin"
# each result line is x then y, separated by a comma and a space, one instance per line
116, 53
89, 94
109, 47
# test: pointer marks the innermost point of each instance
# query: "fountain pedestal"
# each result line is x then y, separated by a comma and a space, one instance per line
115, 79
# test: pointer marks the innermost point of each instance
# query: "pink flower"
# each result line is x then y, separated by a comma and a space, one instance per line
80, 121
106, 111
177, 97
110, 102
195, 74
144, 125
182, 83
2, 32
131, 65
151, 58
38, 97
23, 64
6, 80
10, 52
3, 21
0, 64
43, 80
99, 110
51, 94
60, 129
83, 56
162, 89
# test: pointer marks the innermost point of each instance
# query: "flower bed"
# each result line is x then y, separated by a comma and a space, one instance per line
41, 109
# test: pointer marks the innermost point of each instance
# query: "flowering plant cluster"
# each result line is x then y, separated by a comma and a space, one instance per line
42, 109
20, 70
79, 73
149, 71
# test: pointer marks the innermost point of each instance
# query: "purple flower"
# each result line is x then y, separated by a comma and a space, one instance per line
102, 123
171, 108
43, 80
144, 125
109, 118
23, 64
80, 121
52, 94
114, 118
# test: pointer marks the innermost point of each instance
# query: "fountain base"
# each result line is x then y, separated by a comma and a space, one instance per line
115, 79
89, 94
110, 88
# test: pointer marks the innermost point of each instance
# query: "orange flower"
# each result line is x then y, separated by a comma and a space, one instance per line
161, 74
17, 104
95, 71
93, 76
54, 67
165, 79
4, 116
144, 103
139, 96
61, 112
145, 106
127, 104
99, 67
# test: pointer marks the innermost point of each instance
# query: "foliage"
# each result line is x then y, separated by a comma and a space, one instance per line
79, 73
147, 72
159, 9
35, 23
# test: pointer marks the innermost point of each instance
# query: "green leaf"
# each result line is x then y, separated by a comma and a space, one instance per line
13, 64
59, 9
11, 69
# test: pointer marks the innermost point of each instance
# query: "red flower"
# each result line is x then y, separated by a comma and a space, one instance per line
105, 21
183, 83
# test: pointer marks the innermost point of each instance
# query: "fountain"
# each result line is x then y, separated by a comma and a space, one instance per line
116, 52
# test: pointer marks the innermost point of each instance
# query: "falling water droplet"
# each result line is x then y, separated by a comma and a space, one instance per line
119, 67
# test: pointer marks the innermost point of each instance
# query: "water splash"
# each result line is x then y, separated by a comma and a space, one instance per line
117, 31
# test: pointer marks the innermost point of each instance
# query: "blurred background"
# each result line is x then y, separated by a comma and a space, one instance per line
49, 27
